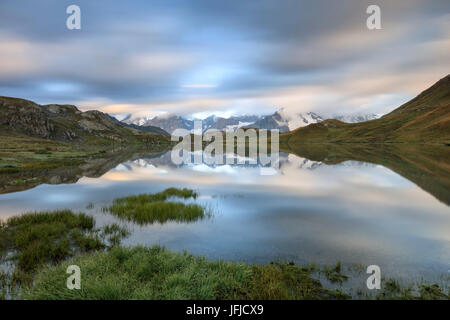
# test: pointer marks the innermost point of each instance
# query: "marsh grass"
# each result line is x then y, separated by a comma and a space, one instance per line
393, 290
32, 240
40, 246
334, 274
154, 273
151, 208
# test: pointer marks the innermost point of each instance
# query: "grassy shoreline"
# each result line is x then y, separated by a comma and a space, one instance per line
33, 240
28, 162
38, 247
22, 153
155, 273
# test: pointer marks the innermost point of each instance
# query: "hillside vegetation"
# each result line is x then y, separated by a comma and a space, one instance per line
424, 119
34, 136
65, 123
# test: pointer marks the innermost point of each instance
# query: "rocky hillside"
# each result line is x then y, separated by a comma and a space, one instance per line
60, 122
424, 119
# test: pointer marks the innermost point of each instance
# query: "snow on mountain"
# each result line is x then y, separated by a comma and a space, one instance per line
173, 122
281, 120
294, 121
352, 118
233, 123
234, 127
141, 121
284, 121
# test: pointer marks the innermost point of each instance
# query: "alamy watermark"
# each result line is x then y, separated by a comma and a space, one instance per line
73, 22
74, 280
373, 22
216, 147
374, 280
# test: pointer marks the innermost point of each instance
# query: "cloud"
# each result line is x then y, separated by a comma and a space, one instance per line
198, 86
202, 56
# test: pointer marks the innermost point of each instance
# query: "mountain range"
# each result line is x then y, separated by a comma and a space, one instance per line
284, 122
424, 119
170, 123
280, 120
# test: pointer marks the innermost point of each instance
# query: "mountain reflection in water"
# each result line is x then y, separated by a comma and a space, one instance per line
384, 205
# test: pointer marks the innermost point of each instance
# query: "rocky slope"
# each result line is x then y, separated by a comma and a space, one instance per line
60, 122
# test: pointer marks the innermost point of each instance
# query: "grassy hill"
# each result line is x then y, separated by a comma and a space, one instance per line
34, 136
62, 123
424, 119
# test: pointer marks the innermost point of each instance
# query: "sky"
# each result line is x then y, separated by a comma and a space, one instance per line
226, 58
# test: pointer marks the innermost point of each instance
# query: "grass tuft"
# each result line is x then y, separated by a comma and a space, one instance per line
334, 274
154, 207
392, 290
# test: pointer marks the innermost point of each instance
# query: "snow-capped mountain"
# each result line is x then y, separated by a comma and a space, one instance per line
283, 121
170, 123
351, 118
233, 123
141, 121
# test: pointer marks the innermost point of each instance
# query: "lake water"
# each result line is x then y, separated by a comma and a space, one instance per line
356, 212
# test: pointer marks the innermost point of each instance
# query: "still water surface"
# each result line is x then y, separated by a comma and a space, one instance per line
306, 211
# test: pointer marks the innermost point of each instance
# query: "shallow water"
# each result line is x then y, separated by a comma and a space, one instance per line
304, 211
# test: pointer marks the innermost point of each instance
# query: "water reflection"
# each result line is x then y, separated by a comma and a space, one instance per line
428, 166
386, 206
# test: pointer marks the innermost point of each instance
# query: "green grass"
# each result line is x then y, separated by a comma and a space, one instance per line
42, 245
42, 152
32, 240
151, 208
154, 273
392, 290
334, 274
26, 162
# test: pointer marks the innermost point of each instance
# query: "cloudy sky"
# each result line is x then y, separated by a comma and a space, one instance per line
223, 57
